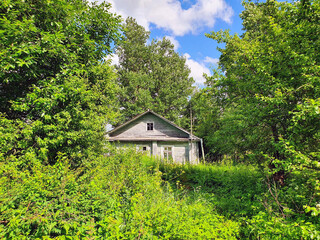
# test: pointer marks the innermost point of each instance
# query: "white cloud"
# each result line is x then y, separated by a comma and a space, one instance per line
169, 15
197, 69
210, 60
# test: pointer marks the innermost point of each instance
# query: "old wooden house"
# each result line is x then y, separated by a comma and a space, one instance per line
158, 136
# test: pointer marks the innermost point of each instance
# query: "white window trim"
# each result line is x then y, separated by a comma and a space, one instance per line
172, 150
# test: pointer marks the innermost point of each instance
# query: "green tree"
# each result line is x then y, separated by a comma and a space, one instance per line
271, 87
272, 71
152, 76
205, 114
222, 126
56, 91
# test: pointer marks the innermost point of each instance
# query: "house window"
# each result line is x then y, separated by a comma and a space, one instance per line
167, 153
142, 148
149, 126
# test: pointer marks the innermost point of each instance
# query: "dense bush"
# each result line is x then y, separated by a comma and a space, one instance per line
234, 190
125, 195
242, 193
117, 196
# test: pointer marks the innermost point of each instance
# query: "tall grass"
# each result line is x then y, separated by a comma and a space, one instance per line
119, 196
127, 195
234, 190
242, 194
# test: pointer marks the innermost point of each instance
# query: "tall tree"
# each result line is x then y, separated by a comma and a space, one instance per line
272, 79
56, 92
152, 76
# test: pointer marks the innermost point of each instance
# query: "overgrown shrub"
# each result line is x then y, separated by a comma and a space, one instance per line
234, 190
244, 194
270, 226
118, 196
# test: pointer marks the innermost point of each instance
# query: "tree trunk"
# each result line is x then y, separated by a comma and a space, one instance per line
279, 175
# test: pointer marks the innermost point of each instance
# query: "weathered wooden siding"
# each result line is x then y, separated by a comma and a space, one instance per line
138, 129
137, 144
194, 152
180, 151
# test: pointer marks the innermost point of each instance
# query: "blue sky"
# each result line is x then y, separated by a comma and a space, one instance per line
185, 22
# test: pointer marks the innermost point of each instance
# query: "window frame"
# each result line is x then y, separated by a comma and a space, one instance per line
141, 147
147, 126
165, 152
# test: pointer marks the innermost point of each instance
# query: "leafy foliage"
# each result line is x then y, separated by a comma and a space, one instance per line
234, 190
271, 78
56, 92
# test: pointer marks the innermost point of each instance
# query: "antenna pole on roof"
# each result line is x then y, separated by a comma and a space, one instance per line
191, 147
190, 119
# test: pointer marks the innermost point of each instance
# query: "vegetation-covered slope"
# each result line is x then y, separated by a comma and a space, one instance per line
244, 194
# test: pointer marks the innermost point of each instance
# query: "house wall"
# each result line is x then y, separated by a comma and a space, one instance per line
194, 152
181, 151
136, 144
138, 129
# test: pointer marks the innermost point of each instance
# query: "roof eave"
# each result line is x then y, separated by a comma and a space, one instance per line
151, 139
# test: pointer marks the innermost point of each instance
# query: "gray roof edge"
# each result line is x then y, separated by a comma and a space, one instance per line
152, 112
127, 122
111, 139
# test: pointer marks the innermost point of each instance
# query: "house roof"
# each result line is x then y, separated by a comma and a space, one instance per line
191, 136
